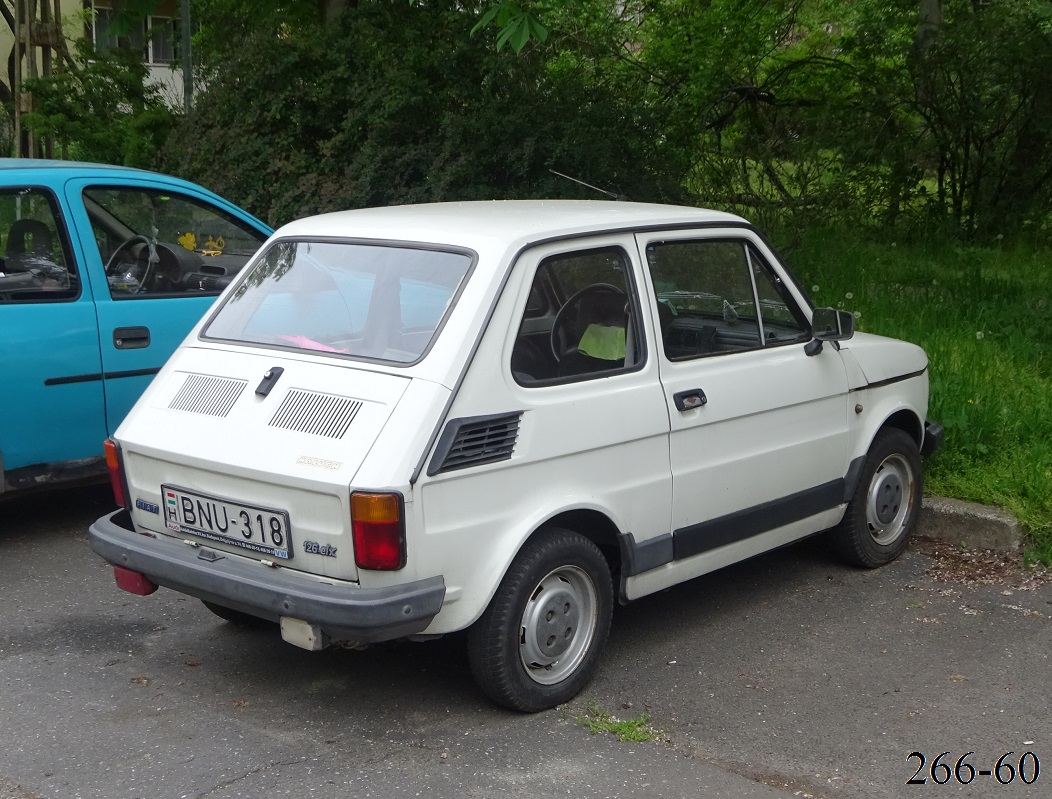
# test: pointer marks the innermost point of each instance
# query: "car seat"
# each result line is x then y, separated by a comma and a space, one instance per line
28, 237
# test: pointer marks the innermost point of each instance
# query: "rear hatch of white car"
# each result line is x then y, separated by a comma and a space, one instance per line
252, 453
249, 439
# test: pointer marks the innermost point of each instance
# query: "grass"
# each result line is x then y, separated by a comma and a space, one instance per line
984, 316
599, 721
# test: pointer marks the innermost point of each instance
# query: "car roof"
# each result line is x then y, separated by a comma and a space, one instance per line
477, 223
54, 172
55, 164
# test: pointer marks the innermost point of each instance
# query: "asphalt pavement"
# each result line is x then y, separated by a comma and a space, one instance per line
790, 675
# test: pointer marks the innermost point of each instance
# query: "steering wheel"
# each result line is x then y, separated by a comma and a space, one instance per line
116, 258
563, 315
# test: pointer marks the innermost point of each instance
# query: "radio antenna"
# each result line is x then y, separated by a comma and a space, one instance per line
609, 194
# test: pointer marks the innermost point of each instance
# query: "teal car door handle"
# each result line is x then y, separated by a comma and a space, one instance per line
131, 338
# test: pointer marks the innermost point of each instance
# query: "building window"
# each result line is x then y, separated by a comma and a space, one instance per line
107, 31
155, 36
164, 34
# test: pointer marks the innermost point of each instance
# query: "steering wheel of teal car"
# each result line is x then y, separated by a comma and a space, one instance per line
116, 258
564, 315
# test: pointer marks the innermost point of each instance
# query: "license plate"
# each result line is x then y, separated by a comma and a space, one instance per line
263, 530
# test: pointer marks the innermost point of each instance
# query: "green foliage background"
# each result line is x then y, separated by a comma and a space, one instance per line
899, 150
931, 116
392, 103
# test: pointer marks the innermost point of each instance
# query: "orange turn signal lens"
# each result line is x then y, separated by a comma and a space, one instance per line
376, 507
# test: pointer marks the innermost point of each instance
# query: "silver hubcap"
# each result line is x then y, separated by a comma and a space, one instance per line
558, 625
890, 499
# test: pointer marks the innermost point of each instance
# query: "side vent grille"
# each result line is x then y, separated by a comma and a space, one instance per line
474, 441
208, 395
318, 414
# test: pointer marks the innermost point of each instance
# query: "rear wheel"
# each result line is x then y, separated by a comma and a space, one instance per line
883, 511
537, 643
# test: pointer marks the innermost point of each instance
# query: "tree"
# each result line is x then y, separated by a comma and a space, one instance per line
967, 108
102, 110
96, 105
389, 102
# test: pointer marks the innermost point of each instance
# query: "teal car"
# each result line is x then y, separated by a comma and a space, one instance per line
103, 271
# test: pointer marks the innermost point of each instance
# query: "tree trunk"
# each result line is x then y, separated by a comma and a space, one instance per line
330, 9
928, 26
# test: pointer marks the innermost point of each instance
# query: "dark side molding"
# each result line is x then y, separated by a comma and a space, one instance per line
734, 527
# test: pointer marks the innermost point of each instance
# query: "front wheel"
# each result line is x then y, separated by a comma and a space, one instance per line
537, 643
883, 511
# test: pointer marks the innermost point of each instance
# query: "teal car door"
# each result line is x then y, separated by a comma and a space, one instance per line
156, 253
51, 401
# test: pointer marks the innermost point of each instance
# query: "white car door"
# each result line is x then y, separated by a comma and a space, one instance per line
759, 428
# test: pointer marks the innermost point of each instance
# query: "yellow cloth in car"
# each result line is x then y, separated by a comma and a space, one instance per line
603, 342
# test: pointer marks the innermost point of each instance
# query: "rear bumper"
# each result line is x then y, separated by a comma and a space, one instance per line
344, 611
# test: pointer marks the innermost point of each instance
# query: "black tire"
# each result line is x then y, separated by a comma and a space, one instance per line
237, 617
883, 511
538, 642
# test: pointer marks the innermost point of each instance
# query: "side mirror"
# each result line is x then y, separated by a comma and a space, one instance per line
830, 324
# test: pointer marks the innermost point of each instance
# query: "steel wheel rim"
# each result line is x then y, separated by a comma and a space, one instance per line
558, 625
890, 500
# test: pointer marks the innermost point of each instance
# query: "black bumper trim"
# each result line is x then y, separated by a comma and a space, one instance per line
344, 611
933, 438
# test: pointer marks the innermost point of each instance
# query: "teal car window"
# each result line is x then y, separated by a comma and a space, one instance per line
160, 243
36, 266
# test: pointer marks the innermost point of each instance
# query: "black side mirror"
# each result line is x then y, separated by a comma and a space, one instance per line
830, 324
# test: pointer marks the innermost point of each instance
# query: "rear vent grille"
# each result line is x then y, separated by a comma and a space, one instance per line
314, 413
474, 441
208, 395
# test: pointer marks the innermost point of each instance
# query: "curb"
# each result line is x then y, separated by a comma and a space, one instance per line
970, 525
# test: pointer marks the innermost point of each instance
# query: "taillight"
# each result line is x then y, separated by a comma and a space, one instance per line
113, 465
379, 531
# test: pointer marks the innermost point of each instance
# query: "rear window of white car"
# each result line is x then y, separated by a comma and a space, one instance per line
345, 298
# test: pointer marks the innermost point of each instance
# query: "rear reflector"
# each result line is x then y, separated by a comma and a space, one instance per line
133, 582
379, 533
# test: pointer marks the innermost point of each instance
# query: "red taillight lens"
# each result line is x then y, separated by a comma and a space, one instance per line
113, 465
133, 582
379, 532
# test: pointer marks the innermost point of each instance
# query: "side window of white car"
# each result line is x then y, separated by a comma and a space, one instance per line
717, 296
581, 320
35, 266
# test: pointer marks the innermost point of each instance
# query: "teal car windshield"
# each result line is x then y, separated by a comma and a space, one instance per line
362, 300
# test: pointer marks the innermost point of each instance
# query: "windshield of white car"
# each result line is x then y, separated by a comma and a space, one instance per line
360, 300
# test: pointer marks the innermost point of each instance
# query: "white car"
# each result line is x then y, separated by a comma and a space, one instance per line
502, 417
